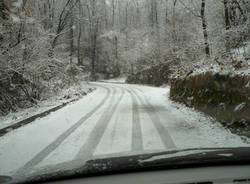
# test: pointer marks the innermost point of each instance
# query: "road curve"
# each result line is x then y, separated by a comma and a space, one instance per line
89, 146
115, 120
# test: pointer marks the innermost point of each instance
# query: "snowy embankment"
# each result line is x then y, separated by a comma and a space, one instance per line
65, 96
219, 87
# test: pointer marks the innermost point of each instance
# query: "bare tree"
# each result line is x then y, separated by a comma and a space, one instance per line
204, 26
80, 14
202, 16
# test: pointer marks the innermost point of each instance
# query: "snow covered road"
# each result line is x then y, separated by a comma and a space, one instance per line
115, 120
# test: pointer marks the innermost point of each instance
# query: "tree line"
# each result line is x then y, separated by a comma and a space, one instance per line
47, 45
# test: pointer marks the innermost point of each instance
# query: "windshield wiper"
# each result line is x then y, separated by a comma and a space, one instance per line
177, 159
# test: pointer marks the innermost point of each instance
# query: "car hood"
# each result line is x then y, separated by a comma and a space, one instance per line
174, 159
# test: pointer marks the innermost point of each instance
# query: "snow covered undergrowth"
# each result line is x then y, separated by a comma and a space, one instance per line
235, 62
70, 94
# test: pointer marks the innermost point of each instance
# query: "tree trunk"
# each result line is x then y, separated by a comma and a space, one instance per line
93, 33
113, 12
174, 25
71, 36
152, 13
79, 35
126, 15
93, 57
227, 21
166, 13
116, 47
106, 15
204, 26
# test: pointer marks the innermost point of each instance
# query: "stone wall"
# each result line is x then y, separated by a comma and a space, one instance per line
225, 97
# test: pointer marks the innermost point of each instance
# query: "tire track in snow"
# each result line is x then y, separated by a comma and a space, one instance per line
162, 131
113, 133
51, 147
137, 142
88, 149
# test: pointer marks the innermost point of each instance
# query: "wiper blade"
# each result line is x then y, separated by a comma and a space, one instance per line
175, 159
172, 160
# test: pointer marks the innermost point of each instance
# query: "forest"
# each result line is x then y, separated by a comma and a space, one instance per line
49, 45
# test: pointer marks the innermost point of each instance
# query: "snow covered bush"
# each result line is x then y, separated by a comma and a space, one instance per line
28, 73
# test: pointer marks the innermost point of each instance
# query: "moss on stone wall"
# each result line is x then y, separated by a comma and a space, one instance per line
225, 97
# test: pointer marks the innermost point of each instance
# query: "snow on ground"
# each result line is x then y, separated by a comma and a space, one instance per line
129, 128
188, 127
242, 53
151, 138
67, 95
19, 146
115, 134
70, 146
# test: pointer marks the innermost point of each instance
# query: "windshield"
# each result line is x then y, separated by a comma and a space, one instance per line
90, 79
